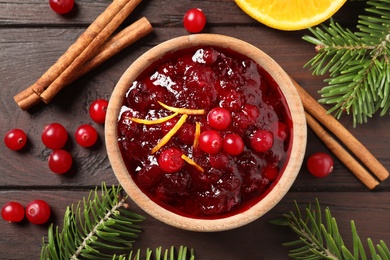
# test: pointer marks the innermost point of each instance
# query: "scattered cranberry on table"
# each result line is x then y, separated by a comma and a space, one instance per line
98, 110
86, 135
54, 136
15, 139
60, 161
38, 212
320, 164
194, 20
12, 212
61, 6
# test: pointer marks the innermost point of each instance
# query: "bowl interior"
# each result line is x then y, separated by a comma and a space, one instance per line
298, 133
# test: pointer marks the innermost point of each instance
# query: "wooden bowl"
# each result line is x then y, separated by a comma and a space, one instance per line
298, 134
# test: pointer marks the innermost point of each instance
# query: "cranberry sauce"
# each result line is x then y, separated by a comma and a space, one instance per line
218, 162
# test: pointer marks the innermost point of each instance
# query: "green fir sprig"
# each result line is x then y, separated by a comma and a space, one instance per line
357, 63
319, 237
101, 227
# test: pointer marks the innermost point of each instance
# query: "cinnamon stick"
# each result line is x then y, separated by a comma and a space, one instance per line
28, 98
86, 46
355, 146
344, 156
115, 44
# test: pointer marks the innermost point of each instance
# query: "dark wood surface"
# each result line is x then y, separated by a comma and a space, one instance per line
32, 37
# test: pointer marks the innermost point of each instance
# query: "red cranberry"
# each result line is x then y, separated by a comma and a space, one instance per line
12, 212
262, 140
170, 160
219, 118
187, 133
271, 173
210, 141
233, 144
168, 125
282, 131
251, 111
320, 164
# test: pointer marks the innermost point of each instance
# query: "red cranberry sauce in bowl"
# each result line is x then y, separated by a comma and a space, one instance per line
228, 131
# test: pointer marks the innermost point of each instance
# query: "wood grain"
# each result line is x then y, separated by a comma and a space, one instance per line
32, 38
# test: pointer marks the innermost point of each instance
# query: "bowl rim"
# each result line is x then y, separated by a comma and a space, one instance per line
292, 168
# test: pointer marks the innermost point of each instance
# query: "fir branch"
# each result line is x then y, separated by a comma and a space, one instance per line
159, 254
357, 64
97, 225
319, 238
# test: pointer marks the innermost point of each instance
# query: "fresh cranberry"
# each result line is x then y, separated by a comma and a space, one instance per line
60, 161
86, 135
15, 139
61, 6
219, 118
54, 136
320, 164
12, 212
98, 110
233, 144
170, 160
210, 141
38, 212
262, 140
194, 20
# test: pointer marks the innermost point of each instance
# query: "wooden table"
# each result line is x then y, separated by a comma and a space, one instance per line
32, 37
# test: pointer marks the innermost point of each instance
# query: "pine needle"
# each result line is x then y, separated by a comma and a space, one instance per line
319, 238
357, 64
99, 225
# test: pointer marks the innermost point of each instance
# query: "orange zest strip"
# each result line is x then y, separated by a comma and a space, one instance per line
197, 134
170, 134
192, 162
180, 110
155, 121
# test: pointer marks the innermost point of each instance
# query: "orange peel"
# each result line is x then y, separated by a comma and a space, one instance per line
181, 110
197, 134
155, 121
170, 134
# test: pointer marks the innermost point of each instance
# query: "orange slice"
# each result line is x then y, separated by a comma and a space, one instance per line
290, 15
192, 162
153, 122
170, 134
181, 110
